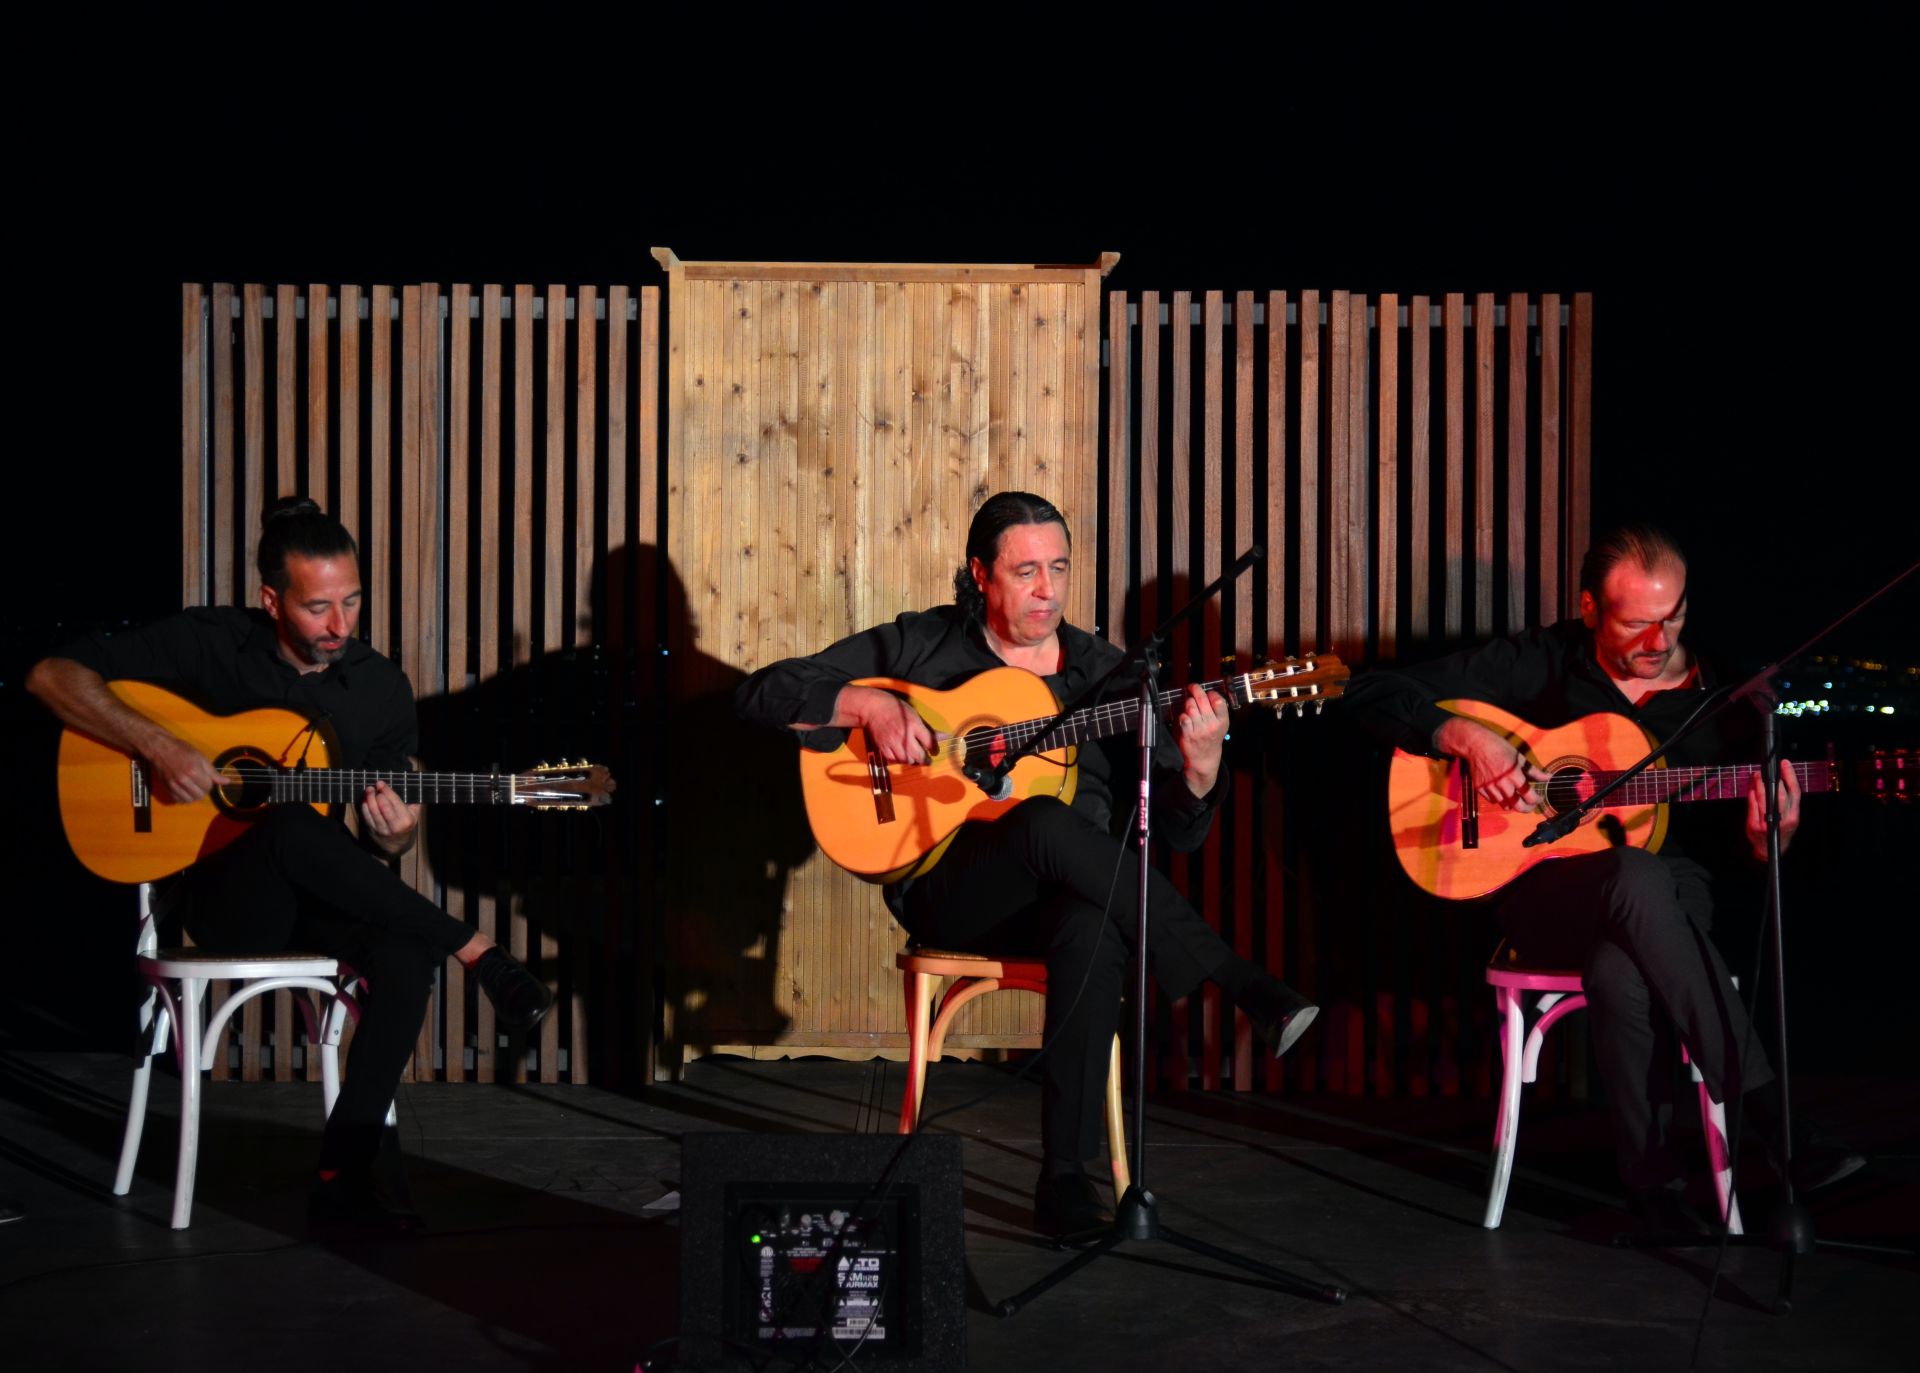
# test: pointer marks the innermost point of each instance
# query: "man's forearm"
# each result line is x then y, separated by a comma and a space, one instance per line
80, 698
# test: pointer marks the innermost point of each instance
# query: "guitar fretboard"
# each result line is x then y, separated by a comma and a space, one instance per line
1095, 722
1658, 786
416, 788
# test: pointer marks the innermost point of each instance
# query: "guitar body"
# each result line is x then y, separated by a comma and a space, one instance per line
123, 840
927, 802
1426, 812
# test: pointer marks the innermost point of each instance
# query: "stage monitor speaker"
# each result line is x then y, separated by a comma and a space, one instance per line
789, 1245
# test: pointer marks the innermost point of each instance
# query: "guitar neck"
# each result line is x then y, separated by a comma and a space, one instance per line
312, 785
1097, 722
1658, 786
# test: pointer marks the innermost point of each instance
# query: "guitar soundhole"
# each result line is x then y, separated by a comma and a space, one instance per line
248, 784
1563, 789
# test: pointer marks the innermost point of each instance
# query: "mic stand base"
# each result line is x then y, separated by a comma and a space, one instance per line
1138, 1218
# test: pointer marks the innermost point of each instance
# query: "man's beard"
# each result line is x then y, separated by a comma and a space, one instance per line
309, 650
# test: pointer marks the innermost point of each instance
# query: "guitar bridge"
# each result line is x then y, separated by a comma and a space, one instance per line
142, 799
1469, 808
881, 782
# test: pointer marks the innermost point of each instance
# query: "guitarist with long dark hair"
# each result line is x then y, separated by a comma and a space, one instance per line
298, 879
1042, 877
1635, 922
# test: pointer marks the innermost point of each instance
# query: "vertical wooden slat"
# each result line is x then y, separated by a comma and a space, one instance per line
585, 453
1212, 534
348, 506
193, 453
429, 633
1178, 587
1453, 324
255, 495
1272, 639
286, 396
1551, 467
553, 634
1241, 889
1306, 585
1356, 508
220, 328
520, 628
1420, 470
1517, 335
459, 678
1150, 569
487, 589
1386, 613
1337, 632
1483, 619
1579, 440
1119, 463
319, 398
418, 645
373, 541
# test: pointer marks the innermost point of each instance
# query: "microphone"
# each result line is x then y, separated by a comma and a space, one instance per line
996, 784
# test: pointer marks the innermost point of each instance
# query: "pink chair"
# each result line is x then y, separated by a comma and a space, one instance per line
1560, 993
975, 975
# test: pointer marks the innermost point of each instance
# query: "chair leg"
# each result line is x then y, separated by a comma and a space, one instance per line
1713, 1124
137, 1099
1117, 1126
919, 992
192, 1055
1506, 1129
332, 1027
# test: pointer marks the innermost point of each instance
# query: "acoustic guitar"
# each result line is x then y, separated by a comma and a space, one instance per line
120, 830
1454, 848
885, 821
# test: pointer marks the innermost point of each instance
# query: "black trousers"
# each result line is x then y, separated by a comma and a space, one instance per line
1035, 882
299, 880
1637, 925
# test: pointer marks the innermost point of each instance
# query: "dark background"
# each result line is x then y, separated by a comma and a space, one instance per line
1733, 197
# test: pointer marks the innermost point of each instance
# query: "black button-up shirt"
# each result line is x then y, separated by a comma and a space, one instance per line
226, 659
941, 648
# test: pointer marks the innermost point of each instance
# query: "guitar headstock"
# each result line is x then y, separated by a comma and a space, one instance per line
1310, 679
564, 786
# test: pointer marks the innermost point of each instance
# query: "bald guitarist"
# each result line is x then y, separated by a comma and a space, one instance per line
298, 879
1045, 877
1634, 922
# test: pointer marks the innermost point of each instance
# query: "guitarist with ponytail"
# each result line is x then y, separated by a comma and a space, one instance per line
297, 878
1040, 878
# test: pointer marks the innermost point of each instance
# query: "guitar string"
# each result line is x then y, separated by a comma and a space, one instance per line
1708, 783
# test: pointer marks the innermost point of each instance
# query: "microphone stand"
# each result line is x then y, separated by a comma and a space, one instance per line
1137, 1217
1791, 1230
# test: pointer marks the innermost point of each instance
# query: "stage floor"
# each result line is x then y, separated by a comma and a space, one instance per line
551, 1247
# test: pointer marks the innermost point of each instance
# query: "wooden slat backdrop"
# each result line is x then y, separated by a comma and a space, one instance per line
523, 604
1363, 411
832, 428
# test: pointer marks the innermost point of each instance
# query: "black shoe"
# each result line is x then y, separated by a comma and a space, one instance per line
1820, 1160
1066, 1207
1665, 1211
1279, 1014
355, 1204
520, 1000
